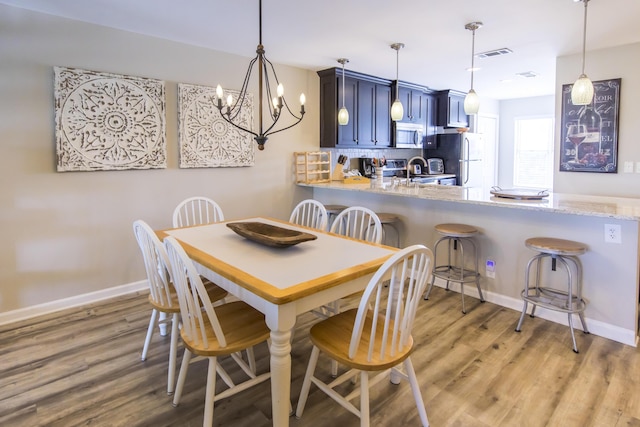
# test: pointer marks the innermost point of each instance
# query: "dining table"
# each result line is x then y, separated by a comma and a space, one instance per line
281, 281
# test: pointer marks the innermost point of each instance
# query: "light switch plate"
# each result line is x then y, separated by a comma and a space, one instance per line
628, 167
637, 167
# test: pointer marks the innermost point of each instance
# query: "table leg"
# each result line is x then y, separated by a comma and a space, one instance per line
281, 369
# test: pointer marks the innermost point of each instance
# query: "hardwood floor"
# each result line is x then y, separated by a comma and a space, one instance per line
82, 367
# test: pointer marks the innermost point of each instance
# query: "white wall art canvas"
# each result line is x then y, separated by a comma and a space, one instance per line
206, 139
108, 121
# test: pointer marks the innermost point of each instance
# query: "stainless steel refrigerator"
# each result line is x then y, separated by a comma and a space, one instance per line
462, 154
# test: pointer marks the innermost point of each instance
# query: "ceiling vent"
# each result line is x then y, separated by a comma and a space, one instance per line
495, 52
527, 74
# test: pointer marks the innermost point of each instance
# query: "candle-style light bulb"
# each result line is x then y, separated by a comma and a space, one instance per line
280, 90
229, 101
275, 103
303, 99
219, 92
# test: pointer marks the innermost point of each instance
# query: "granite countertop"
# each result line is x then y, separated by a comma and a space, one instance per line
576, 204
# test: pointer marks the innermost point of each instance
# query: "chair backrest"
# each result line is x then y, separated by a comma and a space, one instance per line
156, 263
197, 211
310, 213
392, 296
359, 223
195, 306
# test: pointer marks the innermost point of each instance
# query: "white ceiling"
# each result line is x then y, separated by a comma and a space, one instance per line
313, 34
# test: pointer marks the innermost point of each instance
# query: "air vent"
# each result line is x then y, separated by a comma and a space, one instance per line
495, 52
527, 74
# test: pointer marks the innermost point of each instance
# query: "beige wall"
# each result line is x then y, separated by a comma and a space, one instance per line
70, 233
620, 62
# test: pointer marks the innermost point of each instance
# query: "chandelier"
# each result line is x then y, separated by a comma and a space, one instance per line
276, 105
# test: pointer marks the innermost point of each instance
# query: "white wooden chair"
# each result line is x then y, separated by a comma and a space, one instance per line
310, 213
375, 337
210, 332
162, 294
196, 211
359, 223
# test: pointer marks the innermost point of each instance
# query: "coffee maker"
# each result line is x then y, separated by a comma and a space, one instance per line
365, 164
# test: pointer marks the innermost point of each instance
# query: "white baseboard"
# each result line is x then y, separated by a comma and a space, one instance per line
596, 327
74, 301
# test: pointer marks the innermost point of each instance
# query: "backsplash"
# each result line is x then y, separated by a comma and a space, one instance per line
355, 153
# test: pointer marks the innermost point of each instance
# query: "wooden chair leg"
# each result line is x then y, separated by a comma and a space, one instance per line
173, 354
306, 384
415, 388
364, 399
182, 376
150, 329
210, 393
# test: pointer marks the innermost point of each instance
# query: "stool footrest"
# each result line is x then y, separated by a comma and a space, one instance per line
455, 274
554, 299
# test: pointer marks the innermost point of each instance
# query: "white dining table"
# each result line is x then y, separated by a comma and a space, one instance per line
281, 282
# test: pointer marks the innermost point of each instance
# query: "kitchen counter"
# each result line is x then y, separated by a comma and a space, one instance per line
610, 207
608, 226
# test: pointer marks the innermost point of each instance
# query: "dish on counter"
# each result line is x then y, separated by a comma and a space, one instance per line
519, 193
270, 235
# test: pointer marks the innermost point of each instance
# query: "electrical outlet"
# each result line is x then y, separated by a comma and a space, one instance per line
628, 167
490, 270
612, 233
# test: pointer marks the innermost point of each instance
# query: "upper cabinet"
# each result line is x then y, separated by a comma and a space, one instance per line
451, 109
368, 100
419, 104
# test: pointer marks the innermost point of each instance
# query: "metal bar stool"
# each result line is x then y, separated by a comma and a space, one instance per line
456, 236
333, 211
390, 220
567, 301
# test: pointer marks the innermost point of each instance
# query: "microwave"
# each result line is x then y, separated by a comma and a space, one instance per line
409, 135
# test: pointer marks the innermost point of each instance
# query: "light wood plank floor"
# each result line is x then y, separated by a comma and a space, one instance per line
82, 367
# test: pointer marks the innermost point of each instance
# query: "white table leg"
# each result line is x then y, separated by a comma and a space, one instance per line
280, 349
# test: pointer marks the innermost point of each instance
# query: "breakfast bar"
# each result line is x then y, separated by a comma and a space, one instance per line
609, 226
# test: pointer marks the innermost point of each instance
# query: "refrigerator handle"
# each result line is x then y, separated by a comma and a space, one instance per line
465, 160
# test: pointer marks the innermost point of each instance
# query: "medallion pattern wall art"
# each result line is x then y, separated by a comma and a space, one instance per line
207, 140
108, 121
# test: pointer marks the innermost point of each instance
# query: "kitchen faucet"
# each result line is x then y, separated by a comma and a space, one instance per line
424, 166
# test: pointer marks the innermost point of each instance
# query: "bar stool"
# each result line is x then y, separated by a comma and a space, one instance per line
566, 301
333, 211
389, 220
456, 236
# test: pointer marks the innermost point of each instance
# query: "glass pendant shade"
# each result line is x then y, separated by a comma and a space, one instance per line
471, 103
397, 110
582, 91
343, 117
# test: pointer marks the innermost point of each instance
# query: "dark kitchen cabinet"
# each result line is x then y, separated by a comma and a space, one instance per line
414, 101
368, 100
451, 109
431, 120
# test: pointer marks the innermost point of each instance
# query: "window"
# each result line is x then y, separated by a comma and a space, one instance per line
533, 163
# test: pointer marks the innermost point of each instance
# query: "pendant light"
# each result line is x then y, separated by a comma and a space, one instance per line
275, 106
397, 111
582, 90
343, 114
472, 101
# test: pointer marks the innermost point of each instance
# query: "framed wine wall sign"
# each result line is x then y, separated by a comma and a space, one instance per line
589, 133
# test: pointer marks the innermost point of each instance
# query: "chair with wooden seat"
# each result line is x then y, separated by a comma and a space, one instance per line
197, 211
455, 269
310, 213
212, 332
375, 337
359, 223
162, 295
